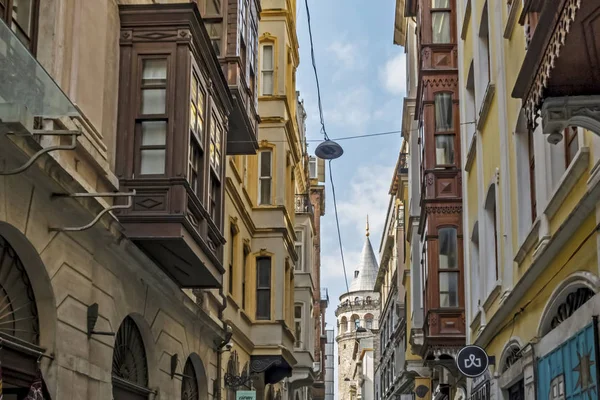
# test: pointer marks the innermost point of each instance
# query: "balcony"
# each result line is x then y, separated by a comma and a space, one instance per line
303, 205
559, 76
357, 305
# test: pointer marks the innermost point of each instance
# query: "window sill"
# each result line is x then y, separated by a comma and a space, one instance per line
512, 19
568, 181
245, 316
486, 104
471, 153
487, 304
529, 242
465, 22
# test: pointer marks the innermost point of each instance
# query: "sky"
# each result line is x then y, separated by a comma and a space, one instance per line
362, 76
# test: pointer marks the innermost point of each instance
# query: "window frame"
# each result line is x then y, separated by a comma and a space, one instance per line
196, 137
450, 270
245, 257
32, 38
263, 70
233, 233
262, 179
451, 133
299, 321
140, 117
532, 180
299, 266
442, 10
267, 289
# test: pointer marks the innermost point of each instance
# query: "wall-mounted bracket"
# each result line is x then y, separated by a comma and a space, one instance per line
235, 381
129, 196
92, 318
33, 159
174, 362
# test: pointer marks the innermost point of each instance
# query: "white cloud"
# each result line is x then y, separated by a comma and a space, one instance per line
368, 195
393, 74
345, 52
351, 108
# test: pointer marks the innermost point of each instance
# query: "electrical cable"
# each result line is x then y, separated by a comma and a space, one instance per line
367, 135
324, 132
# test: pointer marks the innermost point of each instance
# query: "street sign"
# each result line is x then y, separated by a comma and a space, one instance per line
245, 395
472, 361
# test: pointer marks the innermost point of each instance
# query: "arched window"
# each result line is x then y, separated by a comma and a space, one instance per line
343, 325
129, 364
511, 355
357, 300
189, 383
564, 306
369, 321
355, 320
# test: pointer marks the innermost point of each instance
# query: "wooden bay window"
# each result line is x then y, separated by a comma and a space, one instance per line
444, 130
448, 267
441, 13
171, 130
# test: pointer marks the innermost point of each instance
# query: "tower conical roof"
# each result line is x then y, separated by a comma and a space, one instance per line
366, 271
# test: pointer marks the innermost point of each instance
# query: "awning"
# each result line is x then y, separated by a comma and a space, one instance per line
26, 83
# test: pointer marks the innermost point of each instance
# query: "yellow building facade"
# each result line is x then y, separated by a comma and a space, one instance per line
530, 200
271, 338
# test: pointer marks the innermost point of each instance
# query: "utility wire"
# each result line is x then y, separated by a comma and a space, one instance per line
314, 65
324, 132
367, 135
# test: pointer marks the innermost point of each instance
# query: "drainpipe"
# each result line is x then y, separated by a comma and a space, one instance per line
218, 350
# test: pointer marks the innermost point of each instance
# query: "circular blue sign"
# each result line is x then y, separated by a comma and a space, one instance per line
472, 361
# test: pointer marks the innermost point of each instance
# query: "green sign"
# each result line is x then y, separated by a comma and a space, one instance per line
245, 395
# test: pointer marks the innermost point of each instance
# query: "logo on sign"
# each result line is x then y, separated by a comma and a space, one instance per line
245, 395
472, 361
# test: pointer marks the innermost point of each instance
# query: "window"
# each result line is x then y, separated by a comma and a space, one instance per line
197, 105
244, 266
265, 177
530, 145
448, 266
232, 249
444, 143
216, 135
299, 251
267, 70
356, 324
215, 32
571, 144
213, 21
298, 325
343, 325
440, 21
491, 238
369, 323
312, 168
263, 288
153, 110
484, 51
22, 19
474, 250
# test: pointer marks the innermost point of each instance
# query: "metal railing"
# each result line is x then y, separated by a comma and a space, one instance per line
302, 204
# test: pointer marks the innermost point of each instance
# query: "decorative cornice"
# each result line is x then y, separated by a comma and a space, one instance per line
440, 82
443, 209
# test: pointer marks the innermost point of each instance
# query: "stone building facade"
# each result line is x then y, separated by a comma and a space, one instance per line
357, 321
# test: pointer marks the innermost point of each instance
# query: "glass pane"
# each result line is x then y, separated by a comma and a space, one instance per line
298, 312
22, 12
153, 162
154, 101
299, 262
298, 333
194, 88
443, 112
440, 22
448, 248
193, 116
444, 149
267, 85
448, 289
267, 58
154, 72
215, 31
263, 304
154, 133
213, 6
440, 3
265, 191
264, 272
265, 164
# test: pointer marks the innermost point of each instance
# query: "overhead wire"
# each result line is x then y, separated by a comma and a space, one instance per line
324, 132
